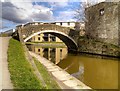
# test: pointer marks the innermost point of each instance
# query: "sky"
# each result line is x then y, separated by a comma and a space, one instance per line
14, 12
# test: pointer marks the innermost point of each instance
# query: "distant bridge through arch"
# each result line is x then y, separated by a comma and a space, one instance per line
64, 33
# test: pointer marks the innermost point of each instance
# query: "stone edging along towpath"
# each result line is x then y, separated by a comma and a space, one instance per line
61, 76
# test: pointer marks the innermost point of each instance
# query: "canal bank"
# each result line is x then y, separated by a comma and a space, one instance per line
23, 72
60, 75
96, 47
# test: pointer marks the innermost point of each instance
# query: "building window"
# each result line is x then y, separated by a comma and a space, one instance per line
53, 23
101, 12
38, 50
61, 23
38, 34
38, 38
68, 23
61, 53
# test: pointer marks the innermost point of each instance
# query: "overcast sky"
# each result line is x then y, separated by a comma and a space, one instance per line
15, 12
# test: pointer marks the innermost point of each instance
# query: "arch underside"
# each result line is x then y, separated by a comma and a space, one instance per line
70, 43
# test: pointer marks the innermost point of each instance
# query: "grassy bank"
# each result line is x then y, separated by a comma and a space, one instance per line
22, 75
46, 42
4, 35
50, 83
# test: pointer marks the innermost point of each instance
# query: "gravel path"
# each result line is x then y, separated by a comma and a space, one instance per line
5, 82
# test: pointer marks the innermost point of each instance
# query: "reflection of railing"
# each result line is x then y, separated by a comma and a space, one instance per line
69, 66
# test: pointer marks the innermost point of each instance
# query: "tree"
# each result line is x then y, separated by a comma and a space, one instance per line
80, 11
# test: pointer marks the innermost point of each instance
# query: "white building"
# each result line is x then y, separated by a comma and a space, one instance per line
66, 24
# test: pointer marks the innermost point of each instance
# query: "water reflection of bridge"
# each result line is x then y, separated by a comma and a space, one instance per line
45, 37
52, 54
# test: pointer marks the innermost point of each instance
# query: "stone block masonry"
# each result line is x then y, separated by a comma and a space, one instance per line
96, 47
103, 22
119, 22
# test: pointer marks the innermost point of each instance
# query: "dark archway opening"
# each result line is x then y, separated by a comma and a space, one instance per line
70, 43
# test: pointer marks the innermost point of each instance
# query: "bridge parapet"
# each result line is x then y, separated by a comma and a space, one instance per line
28, 30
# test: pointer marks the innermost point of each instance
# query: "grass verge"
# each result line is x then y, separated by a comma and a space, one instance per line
50, 82
47, 42
21, 72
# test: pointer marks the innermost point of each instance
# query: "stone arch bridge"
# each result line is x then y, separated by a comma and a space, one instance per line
67, 35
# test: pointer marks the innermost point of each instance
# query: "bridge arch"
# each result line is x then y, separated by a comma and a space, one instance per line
71, 44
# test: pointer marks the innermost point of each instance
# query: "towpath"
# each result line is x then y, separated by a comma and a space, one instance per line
5, 82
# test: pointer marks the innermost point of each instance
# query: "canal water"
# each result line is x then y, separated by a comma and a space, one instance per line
95, 71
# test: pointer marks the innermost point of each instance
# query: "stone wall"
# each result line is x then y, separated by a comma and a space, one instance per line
92, 46
119, 22
102, 22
